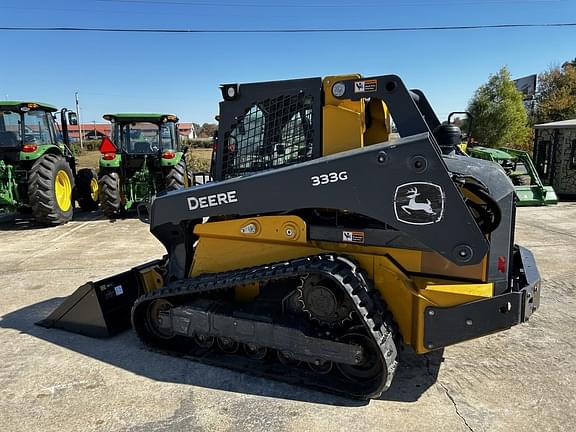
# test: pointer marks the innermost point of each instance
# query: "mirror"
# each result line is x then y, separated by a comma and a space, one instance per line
462, 119
72, 118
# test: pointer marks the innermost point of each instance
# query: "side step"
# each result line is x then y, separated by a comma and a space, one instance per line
101, 309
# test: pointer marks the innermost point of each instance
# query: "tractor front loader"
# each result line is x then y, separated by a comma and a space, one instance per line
38, 166
143, 157
519, 167
322, 248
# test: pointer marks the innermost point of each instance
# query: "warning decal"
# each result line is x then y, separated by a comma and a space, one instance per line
353, 236
367, 86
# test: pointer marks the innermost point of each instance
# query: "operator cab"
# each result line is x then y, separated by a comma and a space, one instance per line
26, 123
25, 126
144, 134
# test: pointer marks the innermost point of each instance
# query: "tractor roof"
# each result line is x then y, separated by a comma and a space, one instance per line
31, 105
143, 117
496, 154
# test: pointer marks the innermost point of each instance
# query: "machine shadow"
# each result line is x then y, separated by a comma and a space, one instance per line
414, 376
25, 222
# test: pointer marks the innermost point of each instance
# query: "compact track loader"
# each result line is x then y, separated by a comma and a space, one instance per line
322, 248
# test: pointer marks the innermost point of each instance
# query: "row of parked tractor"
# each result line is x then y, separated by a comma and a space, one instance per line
38, 166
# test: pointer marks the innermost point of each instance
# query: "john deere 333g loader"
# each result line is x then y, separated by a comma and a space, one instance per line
322, 248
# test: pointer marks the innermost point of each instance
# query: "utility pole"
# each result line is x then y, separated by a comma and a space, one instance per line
79, 121
94, 136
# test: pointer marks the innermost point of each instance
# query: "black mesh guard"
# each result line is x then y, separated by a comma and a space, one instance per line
270, 134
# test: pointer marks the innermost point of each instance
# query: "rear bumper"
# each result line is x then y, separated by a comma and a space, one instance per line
449, 325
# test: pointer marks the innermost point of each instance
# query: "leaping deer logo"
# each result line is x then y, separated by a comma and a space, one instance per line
413, 205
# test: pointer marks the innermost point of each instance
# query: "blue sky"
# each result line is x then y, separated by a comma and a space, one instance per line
181, 72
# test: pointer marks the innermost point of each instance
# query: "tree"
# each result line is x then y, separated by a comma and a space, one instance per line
499, 115
556, 95
207, 130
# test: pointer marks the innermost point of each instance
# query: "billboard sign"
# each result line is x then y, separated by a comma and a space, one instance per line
527, 85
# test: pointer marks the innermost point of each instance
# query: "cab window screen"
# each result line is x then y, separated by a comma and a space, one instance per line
271, 134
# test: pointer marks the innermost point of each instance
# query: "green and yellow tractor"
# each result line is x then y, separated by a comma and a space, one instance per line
530, 191
38, 166
519, 167
142, 158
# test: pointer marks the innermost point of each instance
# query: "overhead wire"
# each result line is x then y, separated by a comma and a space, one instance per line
292, 30
330, 4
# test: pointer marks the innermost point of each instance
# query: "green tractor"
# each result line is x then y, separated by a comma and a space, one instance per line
516, 163
522, 172
38, 166
142, 158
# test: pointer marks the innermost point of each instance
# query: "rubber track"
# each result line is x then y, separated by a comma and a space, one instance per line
374, 315
110, 196
175, 177
41, 190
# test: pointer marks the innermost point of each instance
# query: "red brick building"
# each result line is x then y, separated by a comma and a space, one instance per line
98, 130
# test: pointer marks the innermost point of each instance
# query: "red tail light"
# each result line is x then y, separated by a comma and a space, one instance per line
168, 154
107, 146
502, 264
108, 156
29, 148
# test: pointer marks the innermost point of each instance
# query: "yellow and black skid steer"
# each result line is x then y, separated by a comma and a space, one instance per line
322, 247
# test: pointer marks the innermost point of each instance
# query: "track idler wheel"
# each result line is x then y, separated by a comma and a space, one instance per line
228, 345
152, 319
369, 366
255, 352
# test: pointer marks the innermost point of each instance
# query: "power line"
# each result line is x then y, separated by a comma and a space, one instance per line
288, 30
331, 5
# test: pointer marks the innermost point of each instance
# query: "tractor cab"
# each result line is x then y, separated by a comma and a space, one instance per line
144, 134
28, 128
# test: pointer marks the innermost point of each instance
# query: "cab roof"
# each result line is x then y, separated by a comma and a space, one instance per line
31, 105
135, 117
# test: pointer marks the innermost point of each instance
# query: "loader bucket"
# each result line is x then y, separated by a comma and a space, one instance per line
535, 196
102, 308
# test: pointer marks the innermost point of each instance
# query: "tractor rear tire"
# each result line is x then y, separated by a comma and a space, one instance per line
111, 195
50, 186
177, 177
87, 189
